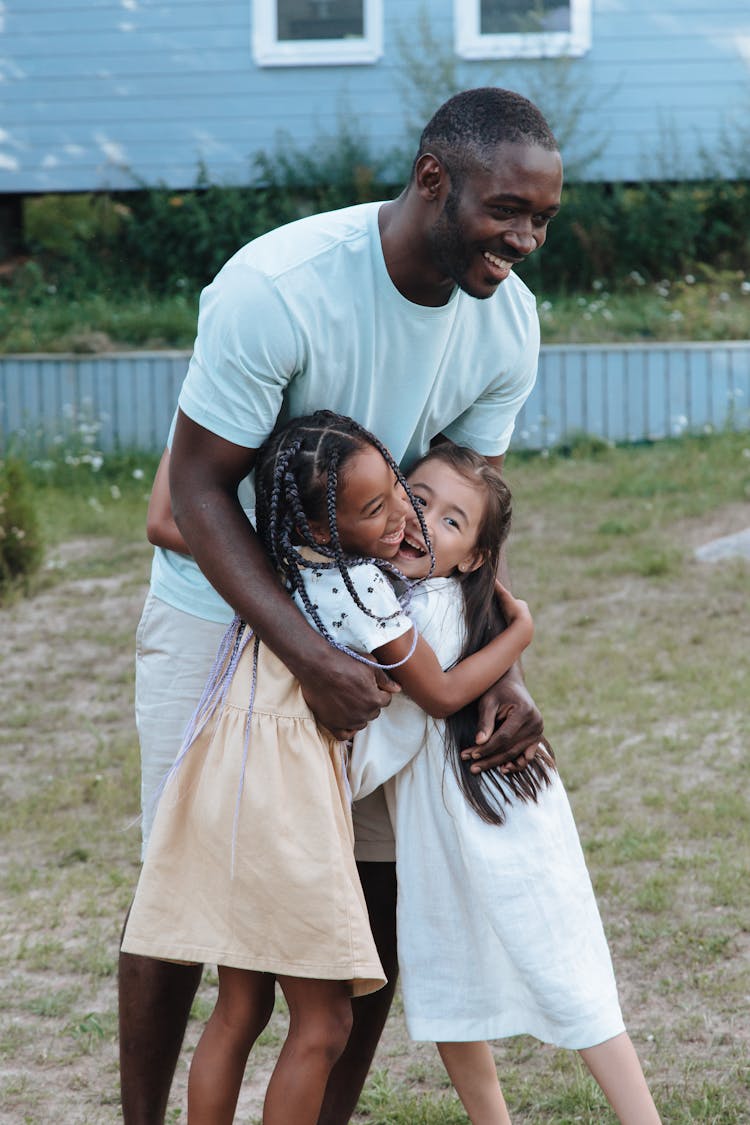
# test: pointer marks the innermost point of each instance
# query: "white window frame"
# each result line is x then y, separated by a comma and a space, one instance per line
471, 44
269, 51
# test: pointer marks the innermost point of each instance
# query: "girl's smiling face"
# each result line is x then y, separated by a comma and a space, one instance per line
371, 507
453, 507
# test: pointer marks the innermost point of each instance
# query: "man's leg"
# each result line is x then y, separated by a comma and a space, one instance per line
174, 655
369, 1012
155, 999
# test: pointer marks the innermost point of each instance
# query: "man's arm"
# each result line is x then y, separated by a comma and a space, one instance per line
205, 472
161, 530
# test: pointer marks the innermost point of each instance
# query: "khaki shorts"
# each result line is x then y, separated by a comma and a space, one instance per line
175, 652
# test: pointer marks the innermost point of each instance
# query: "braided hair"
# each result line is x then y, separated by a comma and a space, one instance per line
487, 792
297, 476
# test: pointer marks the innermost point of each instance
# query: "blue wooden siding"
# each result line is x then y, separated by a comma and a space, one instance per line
619, 393
96, 92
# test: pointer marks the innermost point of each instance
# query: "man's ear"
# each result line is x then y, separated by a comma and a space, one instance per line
431, 178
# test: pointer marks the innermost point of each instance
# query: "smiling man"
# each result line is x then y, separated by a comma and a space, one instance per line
406, 315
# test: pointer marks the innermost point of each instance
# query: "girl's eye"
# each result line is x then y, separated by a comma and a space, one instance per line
420, 500
376, 511
451, 522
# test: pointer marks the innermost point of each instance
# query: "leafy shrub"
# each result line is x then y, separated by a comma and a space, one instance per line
20, 541
172, 242
605, 232
163, 240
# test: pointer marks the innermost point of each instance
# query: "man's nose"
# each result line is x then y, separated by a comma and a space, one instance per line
522, 236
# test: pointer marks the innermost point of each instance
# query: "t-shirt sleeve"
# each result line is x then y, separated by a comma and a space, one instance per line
487, 426
347, 622
245, 354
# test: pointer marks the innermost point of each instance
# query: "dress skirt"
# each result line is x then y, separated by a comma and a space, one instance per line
254, 868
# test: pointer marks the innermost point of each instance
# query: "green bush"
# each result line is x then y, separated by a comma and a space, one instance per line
608, 232
20, 540
171, 242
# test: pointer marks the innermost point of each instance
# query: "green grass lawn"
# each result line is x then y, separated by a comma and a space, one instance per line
640, 663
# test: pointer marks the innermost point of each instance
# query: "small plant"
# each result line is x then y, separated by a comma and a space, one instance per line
20, 539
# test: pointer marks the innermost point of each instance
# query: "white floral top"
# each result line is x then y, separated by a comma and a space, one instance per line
349, 625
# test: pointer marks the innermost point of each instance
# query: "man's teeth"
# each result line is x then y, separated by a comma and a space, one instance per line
499, 262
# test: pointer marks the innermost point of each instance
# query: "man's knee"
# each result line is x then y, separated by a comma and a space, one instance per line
155, 996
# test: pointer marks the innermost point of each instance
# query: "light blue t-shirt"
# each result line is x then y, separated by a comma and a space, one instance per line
306, 317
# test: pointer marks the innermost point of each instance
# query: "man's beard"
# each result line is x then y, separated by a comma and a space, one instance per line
451, 251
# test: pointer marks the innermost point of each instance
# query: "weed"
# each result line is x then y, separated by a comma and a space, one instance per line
20, 536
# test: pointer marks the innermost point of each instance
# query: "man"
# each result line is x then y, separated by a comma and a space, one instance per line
407, 316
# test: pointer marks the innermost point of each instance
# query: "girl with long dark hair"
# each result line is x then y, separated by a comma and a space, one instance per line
498, 928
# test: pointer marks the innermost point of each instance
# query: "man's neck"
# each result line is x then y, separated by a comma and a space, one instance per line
407, 256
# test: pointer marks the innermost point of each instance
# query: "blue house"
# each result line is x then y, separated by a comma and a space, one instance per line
107, 94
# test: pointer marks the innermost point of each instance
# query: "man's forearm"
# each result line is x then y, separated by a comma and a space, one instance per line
226, 547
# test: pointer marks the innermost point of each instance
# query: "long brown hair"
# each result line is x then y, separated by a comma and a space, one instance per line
490, 791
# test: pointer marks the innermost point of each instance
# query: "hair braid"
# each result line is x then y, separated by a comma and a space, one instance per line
298, 474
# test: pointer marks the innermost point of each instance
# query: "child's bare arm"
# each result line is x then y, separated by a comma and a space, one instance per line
161, 530
441, 693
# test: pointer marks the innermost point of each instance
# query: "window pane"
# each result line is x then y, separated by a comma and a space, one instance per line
513, 17
320, 19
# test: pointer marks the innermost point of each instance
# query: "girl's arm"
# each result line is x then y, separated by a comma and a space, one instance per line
441, 693
161, 530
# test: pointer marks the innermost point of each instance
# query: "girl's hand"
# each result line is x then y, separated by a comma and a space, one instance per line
516, 613
511, 608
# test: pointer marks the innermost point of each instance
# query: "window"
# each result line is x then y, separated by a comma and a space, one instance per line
511, 29
317, 32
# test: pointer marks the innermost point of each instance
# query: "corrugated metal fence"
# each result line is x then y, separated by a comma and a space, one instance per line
618, 393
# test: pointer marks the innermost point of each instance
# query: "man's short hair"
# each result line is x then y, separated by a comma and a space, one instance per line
470, 125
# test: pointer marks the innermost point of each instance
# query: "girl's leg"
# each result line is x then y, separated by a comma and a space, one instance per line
242, 1010
471, 1068
616, 1067
320, 1019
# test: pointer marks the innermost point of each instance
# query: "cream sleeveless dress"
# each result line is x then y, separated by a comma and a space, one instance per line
253, 865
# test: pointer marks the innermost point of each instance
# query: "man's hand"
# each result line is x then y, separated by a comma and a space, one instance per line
510, 726
345, 695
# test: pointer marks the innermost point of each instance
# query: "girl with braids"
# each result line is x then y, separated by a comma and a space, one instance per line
498, 929
250, 861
